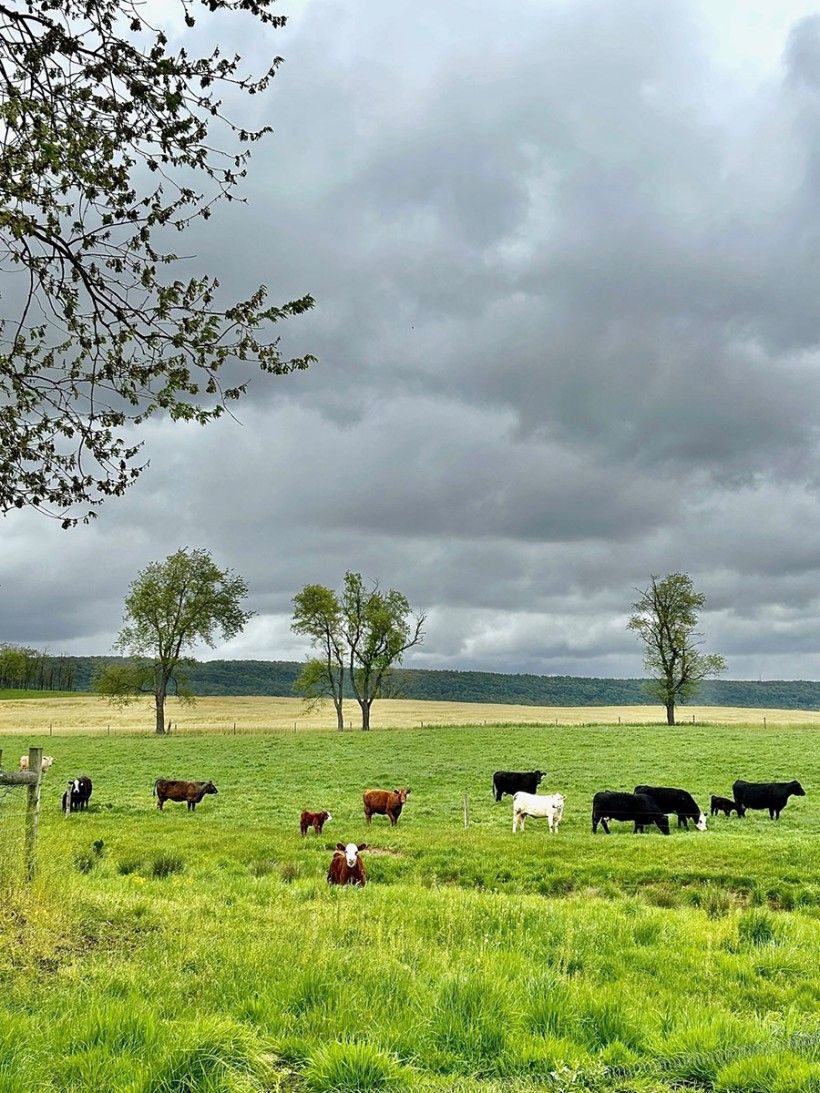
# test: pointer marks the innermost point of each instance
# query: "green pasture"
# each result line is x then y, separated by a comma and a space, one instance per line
205, 952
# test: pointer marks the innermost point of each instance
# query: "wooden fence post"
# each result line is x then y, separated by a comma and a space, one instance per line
35, 766
466, 809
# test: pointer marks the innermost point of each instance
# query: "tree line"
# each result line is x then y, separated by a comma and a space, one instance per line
25, 669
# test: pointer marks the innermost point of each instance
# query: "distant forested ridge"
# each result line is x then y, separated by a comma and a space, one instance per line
276, 677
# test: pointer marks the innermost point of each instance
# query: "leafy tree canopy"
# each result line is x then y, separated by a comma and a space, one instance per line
112, 142
665, 618
171, 607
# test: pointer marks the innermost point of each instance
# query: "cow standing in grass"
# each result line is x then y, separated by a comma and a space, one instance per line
316, 820
550, 806
384, 802
678, 802
346, 867
636, 808
77, 794
515, 781
189, 792
771, 795
724, 805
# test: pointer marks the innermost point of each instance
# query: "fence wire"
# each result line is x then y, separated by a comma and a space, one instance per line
12, 838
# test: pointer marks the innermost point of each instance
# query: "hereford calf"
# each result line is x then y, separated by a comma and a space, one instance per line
316, 820
190, 792
531, 804
346, 867
384, 802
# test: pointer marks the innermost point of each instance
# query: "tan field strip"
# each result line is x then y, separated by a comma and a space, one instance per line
90, 714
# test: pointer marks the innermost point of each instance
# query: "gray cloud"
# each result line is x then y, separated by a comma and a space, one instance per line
566, 266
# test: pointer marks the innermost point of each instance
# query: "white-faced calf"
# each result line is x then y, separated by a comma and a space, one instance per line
346, 867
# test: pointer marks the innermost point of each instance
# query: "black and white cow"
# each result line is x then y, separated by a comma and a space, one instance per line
637, 808
515, 781
677, 802
771, 795
75, 798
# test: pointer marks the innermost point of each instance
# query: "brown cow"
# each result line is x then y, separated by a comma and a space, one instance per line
346, 867
190, 792
316, 820
384, 802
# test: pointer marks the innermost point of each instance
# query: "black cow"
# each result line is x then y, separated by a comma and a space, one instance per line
511, 781
75, 798
771, 795
678, 802
724, 805
637, 808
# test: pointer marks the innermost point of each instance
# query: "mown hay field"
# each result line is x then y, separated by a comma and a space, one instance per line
90, 713
205, 952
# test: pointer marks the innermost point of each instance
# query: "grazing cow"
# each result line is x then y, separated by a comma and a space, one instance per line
75, 798
637, 808
678, 802
316, 820
530, 804
771, 795
724, 805
190, 792
513, 781
346, 867
384, 802
48, 761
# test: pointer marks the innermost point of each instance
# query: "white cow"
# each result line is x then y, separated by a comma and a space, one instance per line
532, 804
47, 762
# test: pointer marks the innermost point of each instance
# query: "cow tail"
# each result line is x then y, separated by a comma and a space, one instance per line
154, 788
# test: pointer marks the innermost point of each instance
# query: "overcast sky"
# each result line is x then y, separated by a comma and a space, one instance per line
566, 257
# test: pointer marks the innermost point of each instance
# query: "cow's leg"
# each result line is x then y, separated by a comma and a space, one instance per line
160, 803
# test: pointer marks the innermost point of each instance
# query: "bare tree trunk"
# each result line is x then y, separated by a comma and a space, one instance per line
365, 705
160, 701
340, 721
670, 713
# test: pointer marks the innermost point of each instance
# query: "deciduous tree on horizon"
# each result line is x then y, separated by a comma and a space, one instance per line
665, 618
171, 607
361, 634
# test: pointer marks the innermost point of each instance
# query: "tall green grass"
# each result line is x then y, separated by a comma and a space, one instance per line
205, 951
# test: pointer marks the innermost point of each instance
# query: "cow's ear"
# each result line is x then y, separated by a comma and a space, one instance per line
362, 846
340, 846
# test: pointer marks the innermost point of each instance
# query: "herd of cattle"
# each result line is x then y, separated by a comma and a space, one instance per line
646, 806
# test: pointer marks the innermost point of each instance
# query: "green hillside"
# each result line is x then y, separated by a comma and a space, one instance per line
276, 677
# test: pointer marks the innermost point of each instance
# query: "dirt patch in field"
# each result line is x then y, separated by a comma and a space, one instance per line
383, 852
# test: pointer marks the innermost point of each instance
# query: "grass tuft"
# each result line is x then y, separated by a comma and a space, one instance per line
165, 865
351, 1067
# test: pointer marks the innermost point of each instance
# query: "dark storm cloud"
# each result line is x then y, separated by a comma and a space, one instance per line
566, 265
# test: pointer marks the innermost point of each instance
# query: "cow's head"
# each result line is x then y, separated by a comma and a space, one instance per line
402, 794
701, 824
663, 823
325, 816
797, 789
351, 852
539, 774
210, 788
